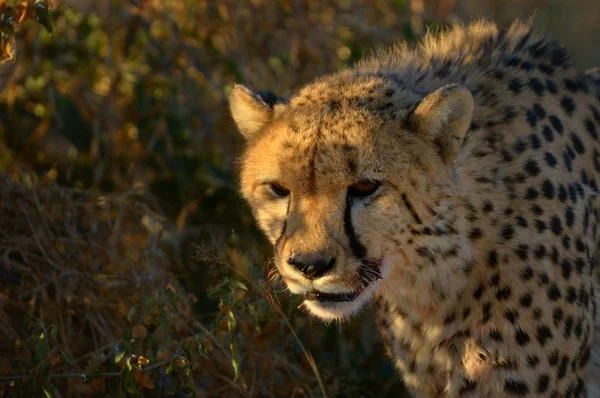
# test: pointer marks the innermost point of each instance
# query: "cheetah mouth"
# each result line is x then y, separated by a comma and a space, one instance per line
368, 273
315, 295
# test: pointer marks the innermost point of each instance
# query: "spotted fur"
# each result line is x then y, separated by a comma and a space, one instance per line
480, 243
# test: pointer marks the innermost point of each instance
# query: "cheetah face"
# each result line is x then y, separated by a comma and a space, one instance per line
333, 185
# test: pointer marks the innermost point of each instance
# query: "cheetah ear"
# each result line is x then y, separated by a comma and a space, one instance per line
444, 117
251, 110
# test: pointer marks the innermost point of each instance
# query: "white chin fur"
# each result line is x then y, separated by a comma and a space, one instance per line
343, 310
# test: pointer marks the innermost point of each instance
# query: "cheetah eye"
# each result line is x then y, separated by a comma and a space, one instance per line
279, 190
363, 189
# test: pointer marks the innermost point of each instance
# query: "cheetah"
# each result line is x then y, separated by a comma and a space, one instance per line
455, 185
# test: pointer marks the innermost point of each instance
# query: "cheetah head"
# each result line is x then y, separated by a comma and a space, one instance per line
338, 175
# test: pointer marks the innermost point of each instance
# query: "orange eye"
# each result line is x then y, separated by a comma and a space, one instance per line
279, 190
362, 189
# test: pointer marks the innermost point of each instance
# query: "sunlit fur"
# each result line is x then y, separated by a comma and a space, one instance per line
461, 289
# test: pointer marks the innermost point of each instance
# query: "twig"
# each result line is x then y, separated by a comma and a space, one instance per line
87, 376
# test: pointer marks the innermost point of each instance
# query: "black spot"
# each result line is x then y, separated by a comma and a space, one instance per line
504, 293
536, 143
568, 105
571, 85
475, 234
488, 207
537, 86
553, 358
516, 387
580, 388
479, 292
532, 168
450, 318
557, 316
531, 194
537, 210
533, 361
554, 292
555, 255
562, 368
596, 113
495, 279
547, 69
548, 189
543, 382
570, 216
540, 252
566, 241
566, 268
531, 118
573, 193
512, 61
522, 251
563, 195
571, 294
585, 357
525, 300
579, 245
467, 386
568, 162
543, 334
389, 92
547, 133
507, 232
590, 127
486, 309
527, 273
577, 143
511, 316
515, 85
492, 258
539, 111
521, 221
551, 86
496, 335
568, 327
556, 225
527, 66
557, 124
540, 226
520, 146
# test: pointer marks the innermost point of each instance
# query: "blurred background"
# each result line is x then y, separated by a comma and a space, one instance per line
129, 265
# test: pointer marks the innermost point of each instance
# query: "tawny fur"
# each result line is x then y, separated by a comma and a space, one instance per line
485, 226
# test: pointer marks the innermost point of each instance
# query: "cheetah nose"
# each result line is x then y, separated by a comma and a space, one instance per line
312, 265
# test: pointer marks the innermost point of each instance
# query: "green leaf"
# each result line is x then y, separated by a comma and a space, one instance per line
241, 285
119, 356
162, 320
235, 354
129, 384
47, 388
252, 311
65, 358
235, 358
53, 333
127, 335
134, 308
